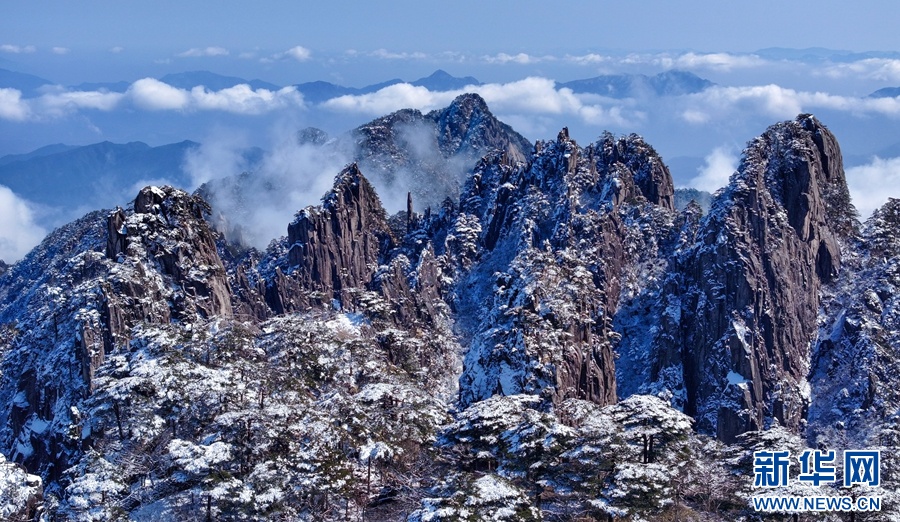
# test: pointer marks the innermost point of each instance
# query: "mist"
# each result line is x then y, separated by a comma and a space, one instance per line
254, 203
19, 232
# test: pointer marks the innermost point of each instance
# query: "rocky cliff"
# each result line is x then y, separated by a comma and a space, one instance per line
338, 246
748, 291
552, 247
75, 299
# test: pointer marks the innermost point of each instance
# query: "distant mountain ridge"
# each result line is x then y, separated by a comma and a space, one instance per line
27, 83
887, 92
97, 175
668, 83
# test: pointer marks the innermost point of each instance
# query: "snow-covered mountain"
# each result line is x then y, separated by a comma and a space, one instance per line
557, 340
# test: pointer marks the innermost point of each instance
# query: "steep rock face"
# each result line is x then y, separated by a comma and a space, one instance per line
166, 229
550, 253
748, 290
74, 299
337, 247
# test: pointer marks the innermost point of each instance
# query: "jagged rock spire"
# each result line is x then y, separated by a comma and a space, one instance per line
336, 247
749, 289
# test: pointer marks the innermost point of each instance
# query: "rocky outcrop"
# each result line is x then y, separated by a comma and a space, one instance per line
75, 299
337, 247
432, 154
167, 232
749, 288
467, 127
551, 246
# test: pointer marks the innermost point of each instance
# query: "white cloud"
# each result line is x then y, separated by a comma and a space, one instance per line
17, 49
148, 94
533, 95
117, 49
60, 50
220, 155
719, 102
152, 94
722, 62
714, 174
242, 99
391, 98
299, 53
717, 61
18, 231
881, 69
208, 51
384, 54
302, 174
588, 59
872, 184
520, 58
12, 107
56, 104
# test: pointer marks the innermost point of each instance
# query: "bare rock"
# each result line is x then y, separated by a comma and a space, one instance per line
337, 247
749, 289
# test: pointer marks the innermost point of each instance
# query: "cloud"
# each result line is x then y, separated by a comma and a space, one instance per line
12, 107
242, 99
384, 54
520, 58
152, 94
57, 104
881, 69
290, 176
871, 184
722, 62
208, 51
221, 154
719, 102
716, 61
117, 49
390, 99
18, 231
16, 49
147, 94
588, 59
532, 95
299, 53
60, 50
719, 165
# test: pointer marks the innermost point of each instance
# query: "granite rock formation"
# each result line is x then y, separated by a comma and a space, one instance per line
338, 246
749, 288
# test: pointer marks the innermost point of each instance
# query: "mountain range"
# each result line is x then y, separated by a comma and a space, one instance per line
618, 86
553, 339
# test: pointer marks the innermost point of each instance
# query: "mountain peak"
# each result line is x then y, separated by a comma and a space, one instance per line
441, 80
336, 247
